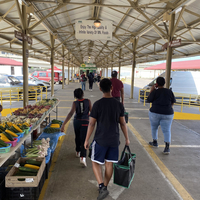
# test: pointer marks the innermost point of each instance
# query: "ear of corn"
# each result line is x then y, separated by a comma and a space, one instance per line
10, 132
31, 166
55, 126
17, 128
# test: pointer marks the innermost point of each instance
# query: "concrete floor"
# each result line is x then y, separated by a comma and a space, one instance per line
157, 176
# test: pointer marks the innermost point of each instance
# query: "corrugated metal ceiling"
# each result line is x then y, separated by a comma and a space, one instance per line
140, 19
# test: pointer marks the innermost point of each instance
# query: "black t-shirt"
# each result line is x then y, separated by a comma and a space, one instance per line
82, 109
162, 100
107, 112
91, 77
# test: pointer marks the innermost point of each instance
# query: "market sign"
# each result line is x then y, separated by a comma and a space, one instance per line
88, 66
85, 30
22, 37
83, 65
175, 43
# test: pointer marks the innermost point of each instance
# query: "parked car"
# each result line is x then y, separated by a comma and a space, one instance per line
185, 83
46, 76
36, 81
11, 82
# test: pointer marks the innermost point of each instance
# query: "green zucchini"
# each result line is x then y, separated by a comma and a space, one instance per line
13, 129
33, 162
6, 125
26, 169
2, 143
2, 128
22, 173
8, 136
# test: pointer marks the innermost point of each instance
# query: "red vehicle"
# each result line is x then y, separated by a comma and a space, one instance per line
46, 76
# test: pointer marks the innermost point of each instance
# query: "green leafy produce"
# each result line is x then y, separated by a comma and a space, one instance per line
51, 130
55, 121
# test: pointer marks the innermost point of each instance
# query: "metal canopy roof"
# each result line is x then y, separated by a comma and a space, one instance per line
140, 19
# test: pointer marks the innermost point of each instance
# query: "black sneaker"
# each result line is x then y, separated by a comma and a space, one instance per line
166, 151
103, 193
154, 143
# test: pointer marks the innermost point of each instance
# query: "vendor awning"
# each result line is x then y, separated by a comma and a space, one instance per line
55, 69
181, 65
10, 62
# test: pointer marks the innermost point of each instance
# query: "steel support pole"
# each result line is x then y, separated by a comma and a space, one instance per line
25, 58
72, 69
68, 68
120, 53
169, 52
63, 66
52, 64
134, 45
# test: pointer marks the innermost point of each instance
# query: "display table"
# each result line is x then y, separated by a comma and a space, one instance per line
5, 156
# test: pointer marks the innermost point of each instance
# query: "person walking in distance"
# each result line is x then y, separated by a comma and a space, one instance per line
118, 87
107, 113
82, 107
161, 113
91, 80
83, 81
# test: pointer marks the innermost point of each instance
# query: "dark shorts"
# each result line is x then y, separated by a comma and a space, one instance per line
101, 154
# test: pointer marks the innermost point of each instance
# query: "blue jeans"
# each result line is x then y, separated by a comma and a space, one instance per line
83, 85
165, 121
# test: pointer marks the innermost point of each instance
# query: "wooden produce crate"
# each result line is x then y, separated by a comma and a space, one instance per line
30, 181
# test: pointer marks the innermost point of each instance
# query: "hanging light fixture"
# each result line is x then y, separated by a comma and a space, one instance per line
97, 23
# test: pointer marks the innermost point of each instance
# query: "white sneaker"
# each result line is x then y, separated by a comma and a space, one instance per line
83, 161
78, 154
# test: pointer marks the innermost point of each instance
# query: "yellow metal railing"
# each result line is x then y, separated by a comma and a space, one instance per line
182, 99
16, 93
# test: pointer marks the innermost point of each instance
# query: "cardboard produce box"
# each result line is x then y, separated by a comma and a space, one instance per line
29, 181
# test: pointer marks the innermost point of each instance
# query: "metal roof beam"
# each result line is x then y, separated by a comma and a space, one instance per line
44, 18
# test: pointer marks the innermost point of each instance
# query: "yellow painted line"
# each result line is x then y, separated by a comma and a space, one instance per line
54, 159
184, 146
177, 185
186, 116
138, 117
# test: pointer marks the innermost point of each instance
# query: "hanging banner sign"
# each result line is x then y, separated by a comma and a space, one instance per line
21, 36
86, 30
175, 43
91, 65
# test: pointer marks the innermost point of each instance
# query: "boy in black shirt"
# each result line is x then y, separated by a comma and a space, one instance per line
107, 112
